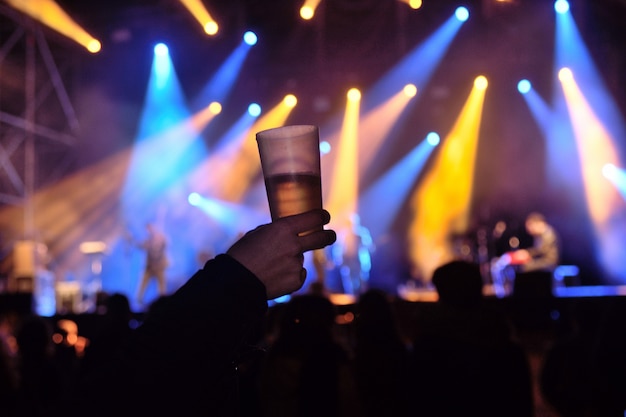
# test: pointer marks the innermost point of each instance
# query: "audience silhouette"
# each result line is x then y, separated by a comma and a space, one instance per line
465, 359
44, 388
381, 357
307, 372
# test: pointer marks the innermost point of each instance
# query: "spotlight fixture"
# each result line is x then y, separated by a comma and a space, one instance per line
524, 86
561, 6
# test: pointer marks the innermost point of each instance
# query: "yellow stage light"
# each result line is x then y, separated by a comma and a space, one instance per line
202, 15
290, 100
413, 4
307, 11
211, 28
50, 14
410, 90
354, 94
215, 107
481, 82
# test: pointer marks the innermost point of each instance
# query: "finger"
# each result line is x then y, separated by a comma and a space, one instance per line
317, 240
307, 221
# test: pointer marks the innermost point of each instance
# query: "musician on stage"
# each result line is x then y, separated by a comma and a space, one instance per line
543, 255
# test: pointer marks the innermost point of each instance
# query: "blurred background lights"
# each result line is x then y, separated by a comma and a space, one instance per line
410, 90
523, 86
433, 138
254, 109
250, 38
462, 13
561, 6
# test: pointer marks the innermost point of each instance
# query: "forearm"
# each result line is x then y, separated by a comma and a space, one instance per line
187, 348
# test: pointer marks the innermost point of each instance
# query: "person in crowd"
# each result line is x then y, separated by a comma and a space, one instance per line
112, 333
156, 262
381, 357
44, 387
464, 354
307, 372
183, 358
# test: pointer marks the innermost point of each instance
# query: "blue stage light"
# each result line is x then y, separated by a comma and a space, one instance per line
524, 86
161, 49
254, 109
462, 13
194, 199
250, 38
433, 139
324, 147
561, 6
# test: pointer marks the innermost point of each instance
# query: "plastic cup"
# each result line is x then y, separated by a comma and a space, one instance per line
290, 160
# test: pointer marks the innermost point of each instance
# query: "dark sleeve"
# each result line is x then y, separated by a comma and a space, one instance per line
181, 361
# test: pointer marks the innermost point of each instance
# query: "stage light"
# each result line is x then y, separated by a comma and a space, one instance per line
250, 38
410, 90
254, 110
290, 100
609, 171
524, 86
215, 108
94, 46
325, 147
462, 13
161, 49
202, 15
211, 28
565, 74
481, 82
306, 12
433, 139
194, 199
354, 94
561, 6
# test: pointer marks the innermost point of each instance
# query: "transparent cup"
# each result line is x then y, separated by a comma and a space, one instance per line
290, 160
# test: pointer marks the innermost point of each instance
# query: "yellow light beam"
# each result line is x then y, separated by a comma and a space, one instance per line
202, 15
441, 203
52, 15
343, 192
